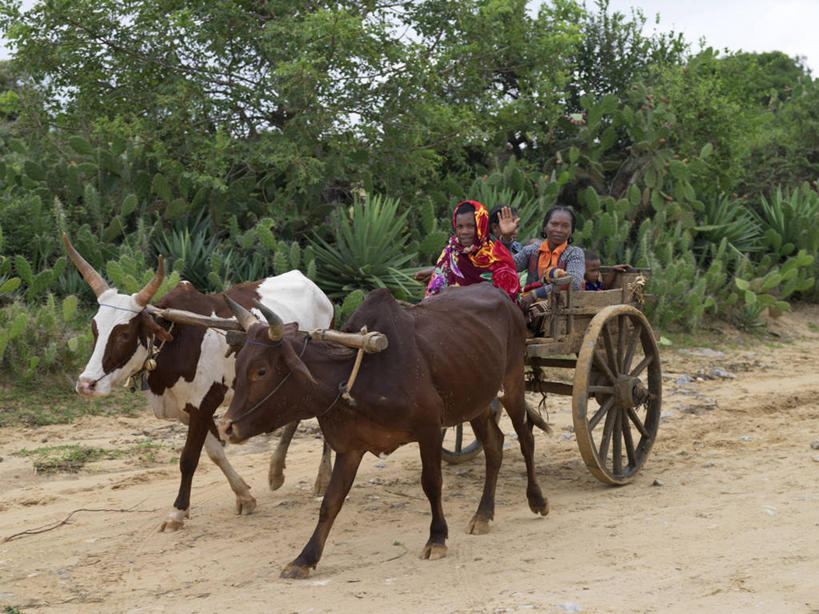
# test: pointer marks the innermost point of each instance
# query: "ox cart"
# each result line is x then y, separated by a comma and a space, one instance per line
616, 387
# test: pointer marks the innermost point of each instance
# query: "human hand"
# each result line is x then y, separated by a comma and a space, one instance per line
552, 275
508, 223
424, 275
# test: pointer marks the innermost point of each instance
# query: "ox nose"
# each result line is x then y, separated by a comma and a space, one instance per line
86, 386
225, 428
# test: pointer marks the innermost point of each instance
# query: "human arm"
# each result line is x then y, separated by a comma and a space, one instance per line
424, 275
608, 279
575, 265
522, 257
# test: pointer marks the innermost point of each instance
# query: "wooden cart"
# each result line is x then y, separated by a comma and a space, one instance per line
616, 388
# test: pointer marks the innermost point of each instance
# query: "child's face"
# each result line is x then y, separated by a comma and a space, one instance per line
592, 270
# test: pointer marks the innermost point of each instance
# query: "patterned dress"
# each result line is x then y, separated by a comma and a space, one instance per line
486, 261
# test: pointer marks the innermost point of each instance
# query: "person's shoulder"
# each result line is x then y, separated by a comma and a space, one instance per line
574, 251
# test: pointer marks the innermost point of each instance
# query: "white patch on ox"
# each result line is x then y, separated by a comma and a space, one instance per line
295, 298
212, 367
115, 309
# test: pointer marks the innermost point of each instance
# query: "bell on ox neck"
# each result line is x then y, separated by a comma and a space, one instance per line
150, 364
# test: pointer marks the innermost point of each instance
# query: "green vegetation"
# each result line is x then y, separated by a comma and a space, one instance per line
52, 400
72, 457
327, 140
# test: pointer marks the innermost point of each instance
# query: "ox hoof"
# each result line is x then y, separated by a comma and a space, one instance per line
433, 552
478, 526
275, 481
245, 505
174, 521
295, 572
541, 508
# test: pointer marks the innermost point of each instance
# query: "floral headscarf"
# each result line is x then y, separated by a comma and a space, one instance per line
485, 260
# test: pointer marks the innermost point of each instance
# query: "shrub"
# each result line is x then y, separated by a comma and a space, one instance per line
51, 337
368, 251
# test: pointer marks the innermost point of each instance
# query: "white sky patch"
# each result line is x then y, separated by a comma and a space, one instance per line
748, 25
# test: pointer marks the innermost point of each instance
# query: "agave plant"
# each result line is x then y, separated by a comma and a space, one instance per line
187, 248
790, 221
368, 251
731, 219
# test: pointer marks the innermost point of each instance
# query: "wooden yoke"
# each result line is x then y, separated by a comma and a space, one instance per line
365, 342
186, 317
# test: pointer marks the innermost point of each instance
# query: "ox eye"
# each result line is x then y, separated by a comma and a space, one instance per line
125, 336
261, 372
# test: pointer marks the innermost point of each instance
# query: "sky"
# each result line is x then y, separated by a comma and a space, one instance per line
748, 25
789, 26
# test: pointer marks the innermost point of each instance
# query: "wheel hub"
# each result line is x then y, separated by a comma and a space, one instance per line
630, 391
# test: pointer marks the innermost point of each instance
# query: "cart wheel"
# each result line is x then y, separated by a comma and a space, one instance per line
452, 440
618, 366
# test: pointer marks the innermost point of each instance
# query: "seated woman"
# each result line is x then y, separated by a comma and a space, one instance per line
553, 258
471, 256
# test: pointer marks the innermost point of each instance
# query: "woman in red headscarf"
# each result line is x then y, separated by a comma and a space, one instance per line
471, 256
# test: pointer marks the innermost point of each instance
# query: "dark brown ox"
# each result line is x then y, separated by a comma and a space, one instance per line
193, 376
446, 360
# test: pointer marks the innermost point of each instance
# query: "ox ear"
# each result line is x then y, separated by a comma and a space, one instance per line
295, 364
156, 329
235, 340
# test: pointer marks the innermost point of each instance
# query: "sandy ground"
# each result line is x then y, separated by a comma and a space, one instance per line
723, 518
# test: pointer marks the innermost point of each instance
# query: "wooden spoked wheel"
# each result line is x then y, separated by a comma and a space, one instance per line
617, 394
459, 444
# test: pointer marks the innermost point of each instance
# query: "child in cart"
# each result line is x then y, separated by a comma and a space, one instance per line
593, 279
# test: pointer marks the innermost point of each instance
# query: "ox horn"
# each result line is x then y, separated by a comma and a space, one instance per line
276, 329
244, 317
147, 293
94, 279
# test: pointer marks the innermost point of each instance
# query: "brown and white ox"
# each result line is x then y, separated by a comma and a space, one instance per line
446, 360
193, 375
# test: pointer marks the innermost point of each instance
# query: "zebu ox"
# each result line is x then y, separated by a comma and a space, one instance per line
193, 376
446, 360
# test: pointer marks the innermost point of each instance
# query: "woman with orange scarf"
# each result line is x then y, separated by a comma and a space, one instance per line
471, 256
555, 257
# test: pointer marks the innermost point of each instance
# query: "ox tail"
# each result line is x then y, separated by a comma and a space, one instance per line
534, 418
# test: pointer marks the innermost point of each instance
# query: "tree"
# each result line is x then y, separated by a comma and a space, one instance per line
302, 102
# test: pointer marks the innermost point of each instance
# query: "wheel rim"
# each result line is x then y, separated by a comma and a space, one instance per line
617, 394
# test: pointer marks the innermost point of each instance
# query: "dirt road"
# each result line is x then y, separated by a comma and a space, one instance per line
724, 517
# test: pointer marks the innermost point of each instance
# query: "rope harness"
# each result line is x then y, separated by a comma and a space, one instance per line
253, 409
343, 387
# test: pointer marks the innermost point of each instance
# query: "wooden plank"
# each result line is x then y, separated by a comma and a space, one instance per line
625, 278
546, 346
553, 387
560, 363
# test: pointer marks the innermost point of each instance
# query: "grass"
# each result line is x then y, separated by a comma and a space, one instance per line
72, 457
813, 327
53, 401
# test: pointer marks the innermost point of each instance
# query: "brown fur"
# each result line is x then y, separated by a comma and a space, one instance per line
447, 358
